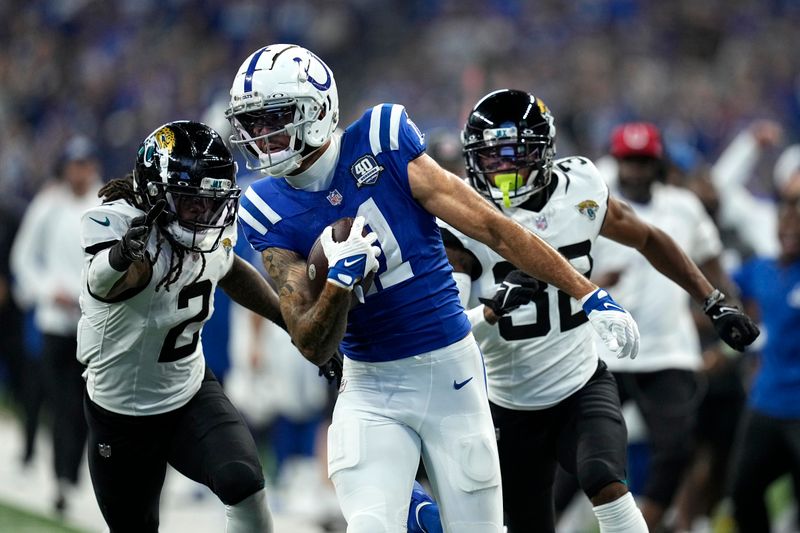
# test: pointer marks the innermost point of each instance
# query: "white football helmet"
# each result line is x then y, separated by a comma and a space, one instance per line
283, 100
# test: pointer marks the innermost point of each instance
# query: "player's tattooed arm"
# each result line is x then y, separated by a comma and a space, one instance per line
247, 287
316, 327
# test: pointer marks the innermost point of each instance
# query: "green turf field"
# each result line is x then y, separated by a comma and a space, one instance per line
19, 521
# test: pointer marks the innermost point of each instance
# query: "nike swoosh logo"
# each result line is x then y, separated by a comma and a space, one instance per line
105, 222
612, 306
724, 311
457, 386
349, 263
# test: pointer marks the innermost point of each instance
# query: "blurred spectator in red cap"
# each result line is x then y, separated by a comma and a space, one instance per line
637, 139
639, 152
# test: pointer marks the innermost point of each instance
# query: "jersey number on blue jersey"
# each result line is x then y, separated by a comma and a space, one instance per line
540, 328
396, 269
170, 352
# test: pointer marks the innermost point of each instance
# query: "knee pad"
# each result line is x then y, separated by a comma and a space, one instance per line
344, 445
594, 474
475, 455
236, 480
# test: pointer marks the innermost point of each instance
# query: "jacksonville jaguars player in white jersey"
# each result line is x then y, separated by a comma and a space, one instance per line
148, 288
552, 398
413, 375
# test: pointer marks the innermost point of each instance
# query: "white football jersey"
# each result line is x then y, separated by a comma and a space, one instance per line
660, 307
542, 352
144, 352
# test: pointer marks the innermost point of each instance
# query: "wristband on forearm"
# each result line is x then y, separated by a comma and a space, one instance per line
118, 257
712, 299
102, 276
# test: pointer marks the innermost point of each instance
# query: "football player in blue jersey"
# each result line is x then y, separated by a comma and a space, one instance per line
413, 379
553, 399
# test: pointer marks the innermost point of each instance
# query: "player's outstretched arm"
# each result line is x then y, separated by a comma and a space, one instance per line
247, 287
317, 327
624, 226
124, 267
446, 196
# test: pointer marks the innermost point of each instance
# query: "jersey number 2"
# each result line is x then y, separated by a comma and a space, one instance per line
170, 352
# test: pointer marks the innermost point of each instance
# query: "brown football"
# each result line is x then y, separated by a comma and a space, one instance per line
317, 263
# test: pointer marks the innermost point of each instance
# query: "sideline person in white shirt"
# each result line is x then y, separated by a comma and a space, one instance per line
46, 261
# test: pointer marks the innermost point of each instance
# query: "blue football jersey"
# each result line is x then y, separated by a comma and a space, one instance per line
413, 305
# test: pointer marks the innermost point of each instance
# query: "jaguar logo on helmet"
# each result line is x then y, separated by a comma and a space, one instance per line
542, 107
165, 139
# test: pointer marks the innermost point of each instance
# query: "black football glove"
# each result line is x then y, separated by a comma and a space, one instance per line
133, 244
732, 325
332, 370
517, 289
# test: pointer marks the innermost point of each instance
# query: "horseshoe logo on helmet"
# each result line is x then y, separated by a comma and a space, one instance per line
324, 86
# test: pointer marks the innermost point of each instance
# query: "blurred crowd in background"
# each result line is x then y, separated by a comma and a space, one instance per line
109, 72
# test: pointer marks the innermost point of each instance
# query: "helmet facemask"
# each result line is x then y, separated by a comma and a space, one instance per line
284, 106
506, 168
509, 146
196, 217
270, 133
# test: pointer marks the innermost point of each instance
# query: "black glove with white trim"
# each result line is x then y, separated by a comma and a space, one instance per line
517, 289
733, 326
133, 244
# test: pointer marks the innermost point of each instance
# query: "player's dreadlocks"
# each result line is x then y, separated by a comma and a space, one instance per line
122, 189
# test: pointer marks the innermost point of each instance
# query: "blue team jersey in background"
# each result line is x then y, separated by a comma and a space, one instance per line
776, 290
413, 306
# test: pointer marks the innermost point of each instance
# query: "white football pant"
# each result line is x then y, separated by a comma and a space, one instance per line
433, 404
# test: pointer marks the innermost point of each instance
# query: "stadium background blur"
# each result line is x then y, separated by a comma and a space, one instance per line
702, 71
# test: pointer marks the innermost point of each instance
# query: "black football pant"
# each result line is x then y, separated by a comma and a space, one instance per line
668, 400
585, 434
64, 387
206, 440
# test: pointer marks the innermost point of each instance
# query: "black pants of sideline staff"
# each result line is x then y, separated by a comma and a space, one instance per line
766, 448
64, 387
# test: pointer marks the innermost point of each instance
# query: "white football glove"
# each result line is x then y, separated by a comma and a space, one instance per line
613, 323
350, 260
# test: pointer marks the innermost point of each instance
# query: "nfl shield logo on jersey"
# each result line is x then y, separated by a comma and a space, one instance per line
366, 171
541, 222
335, 197
105, 450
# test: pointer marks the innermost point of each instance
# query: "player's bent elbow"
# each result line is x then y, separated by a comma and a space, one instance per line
314, 352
